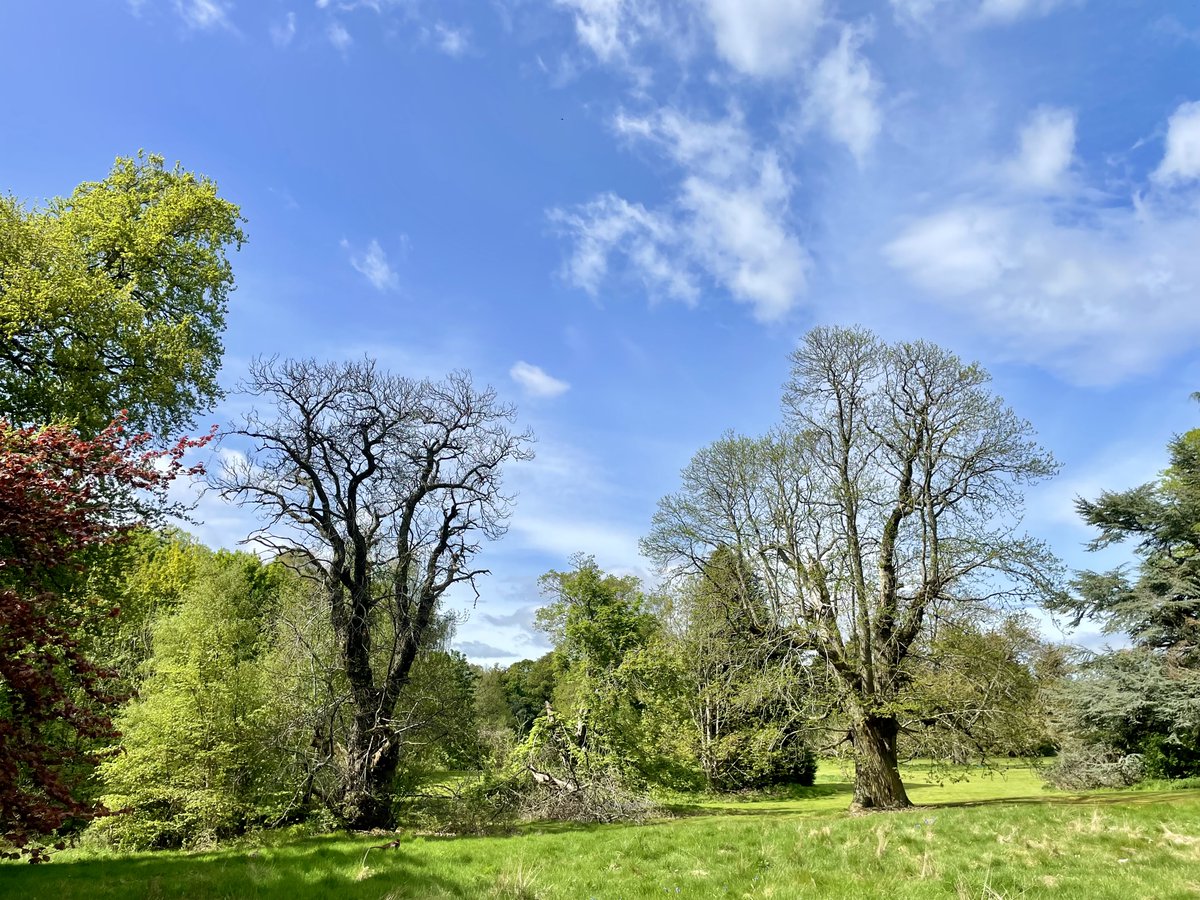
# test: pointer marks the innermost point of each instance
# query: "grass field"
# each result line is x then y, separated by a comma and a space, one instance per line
990, 836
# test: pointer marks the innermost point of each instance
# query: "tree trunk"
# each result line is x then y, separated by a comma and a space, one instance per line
877, 783
370, 770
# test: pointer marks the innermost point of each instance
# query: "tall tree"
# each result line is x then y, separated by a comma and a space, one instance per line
383, 488
1146, 699
596, 622
114, 298
196, 749
59, 495
890, 492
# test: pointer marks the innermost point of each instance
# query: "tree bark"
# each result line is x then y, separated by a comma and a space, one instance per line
877, 783
370, 770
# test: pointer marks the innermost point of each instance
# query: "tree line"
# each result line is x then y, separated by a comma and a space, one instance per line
854, 584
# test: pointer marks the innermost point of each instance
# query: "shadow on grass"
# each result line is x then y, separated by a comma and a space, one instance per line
1105, 798
299, 870
791, 806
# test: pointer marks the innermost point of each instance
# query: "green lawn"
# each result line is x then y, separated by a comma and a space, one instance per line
990, 836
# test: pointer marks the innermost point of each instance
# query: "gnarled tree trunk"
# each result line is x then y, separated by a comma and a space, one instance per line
877, 783
372, 759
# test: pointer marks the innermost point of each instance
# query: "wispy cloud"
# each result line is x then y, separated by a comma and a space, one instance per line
1181, 161
283, 31
374, 265
481, 650
975, 13
606, 27
843, 95
204, 14
1012, 10
1087, 286
451, 41
339, 36
1047, 149
536, 382
728, 222
764, 38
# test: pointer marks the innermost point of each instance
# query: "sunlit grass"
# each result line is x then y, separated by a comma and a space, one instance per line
991, 835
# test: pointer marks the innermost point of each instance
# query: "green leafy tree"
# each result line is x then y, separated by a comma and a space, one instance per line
115, 298
141, 578
596, 622
197, 745
891, 493
491, 700
982, 691
750, 694
1145, 699
528, 686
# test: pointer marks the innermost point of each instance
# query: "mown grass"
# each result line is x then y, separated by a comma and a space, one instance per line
989, 836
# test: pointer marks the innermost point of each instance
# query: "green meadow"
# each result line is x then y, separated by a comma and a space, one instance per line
974, 834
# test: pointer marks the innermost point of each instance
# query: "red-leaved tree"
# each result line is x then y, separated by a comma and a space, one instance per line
59, 495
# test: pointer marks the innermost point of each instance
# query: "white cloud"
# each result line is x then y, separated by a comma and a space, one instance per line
610, 224
1012, 10
283, 32
599, 25
536, 381
1181, 161
339, 36
843, 94
375, 266
611, 29
764, 38
612, 543
571, 503
1096, 296
977, 12
728, 221
451, 41
917, 10
957, 251
1046, 152
203, 14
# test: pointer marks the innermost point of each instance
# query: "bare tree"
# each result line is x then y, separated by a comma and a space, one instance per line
381, 488
891, 493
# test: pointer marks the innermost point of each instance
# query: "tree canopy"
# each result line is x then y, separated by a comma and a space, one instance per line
1144, 700
114, 298
890, 492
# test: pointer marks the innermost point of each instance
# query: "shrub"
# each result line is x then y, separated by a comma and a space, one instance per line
1087, 767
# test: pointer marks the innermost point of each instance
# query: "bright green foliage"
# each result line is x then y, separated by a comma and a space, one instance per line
1145, 699
142, 578
594, 618
195, 761
599, 623
491, 700
440, 704
115, 298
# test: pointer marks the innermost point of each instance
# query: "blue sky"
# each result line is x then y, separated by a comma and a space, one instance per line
623, 213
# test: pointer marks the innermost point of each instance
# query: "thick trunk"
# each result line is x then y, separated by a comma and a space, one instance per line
877, 783
370, 771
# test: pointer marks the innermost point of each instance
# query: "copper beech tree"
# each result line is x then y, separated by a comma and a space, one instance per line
59, 495
380, 489
890, 497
